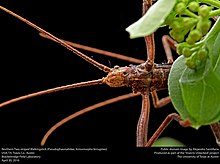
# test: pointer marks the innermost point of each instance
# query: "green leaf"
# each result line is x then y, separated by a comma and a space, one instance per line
200, 92
174, 88
195, 93
167, 142
216, 55
152, 20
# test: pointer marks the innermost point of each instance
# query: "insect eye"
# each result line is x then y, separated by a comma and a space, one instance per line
125, 73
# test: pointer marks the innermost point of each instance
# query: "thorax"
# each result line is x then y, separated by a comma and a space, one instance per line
139, 77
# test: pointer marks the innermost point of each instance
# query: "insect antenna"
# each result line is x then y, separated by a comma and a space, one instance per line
90, 60
76, 85
82, 84
90, 108
98, 51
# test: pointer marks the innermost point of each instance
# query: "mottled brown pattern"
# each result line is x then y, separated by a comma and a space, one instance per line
139, 77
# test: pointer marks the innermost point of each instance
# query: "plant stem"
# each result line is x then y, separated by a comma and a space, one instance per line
214, 13
212, 2
190, 14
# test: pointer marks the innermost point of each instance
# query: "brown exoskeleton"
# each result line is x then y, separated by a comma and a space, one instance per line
146, 78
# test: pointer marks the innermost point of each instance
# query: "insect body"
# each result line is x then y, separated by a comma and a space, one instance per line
140, 78
144, 79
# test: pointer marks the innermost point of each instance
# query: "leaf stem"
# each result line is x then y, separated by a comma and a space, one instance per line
211, 2
214, 13
190, 14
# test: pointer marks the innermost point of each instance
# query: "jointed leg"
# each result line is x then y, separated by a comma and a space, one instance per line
150, 44
149, 40
164, 124
142, 126
216, 131
158, 103
168, 44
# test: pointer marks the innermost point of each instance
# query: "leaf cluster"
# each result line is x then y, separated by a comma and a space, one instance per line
194, 80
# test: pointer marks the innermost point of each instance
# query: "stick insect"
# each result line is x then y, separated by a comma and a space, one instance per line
141, 138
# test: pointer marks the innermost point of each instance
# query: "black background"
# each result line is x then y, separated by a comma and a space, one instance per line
29, 63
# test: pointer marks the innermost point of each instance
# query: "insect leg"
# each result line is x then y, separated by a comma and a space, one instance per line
168, 44
158, 103
216, 131
164, 124
142, 126
149, 40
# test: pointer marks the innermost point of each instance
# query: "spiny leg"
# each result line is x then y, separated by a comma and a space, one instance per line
142, 126
158, 103
164, 124
168, 44
149, 40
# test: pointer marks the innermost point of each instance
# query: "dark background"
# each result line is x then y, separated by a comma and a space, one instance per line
29, 63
